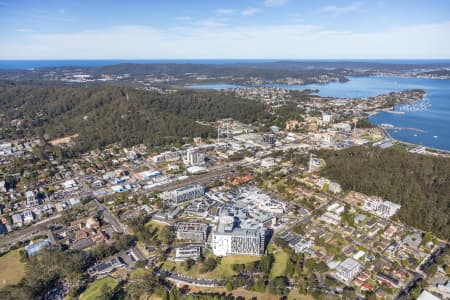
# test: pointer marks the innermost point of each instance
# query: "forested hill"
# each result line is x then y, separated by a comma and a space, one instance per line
102, 115
421, 184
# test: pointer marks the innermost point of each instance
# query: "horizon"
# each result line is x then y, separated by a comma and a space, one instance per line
254, 29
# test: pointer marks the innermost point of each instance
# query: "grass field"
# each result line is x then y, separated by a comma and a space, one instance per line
280, 263
94, 289
223, 270
12, 269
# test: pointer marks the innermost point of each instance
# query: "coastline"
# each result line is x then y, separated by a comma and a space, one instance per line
437, 151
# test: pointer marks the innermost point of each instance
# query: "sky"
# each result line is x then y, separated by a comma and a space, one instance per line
224, 29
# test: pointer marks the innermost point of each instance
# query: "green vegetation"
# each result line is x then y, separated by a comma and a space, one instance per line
46, 271
12, 269
280, 264
103, 115
100, 289
421, 184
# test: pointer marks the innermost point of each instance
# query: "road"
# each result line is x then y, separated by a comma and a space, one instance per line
27, 233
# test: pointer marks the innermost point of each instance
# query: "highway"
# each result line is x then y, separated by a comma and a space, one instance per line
27, 233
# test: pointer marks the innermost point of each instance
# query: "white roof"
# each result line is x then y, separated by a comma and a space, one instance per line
425, 295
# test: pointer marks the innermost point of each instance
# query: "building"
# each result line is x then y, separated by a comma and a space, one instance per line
34, 248
194, 157
28, 217
425, 295
376, 205
169, 156
196, 232
229, 240
17, 219
297, 242
106, 267
31, 199
185, 253
269, 139
327, 119
239, 241
348, 270
187, 193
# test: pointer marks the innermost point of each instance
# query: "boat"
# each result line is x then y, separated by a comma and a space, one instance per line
435, 136
396, 112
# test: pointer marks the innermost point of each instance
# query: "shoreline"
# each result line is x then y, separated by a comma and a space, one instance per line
429, 149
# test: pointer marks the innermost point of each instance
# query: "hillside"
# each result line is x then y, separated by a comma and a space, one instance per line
421, 184
102, 115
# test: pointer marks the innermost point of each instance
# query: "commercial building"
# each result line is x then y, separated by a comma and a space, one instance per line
187, 193
348, 270
376, 205
229, 240
169, 156
269, 139
238, 241
185, 253
196, 232
31, 199
194, 157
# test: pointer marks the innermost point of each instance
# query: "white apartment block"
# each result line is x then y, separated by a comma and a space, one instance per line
377, 206
187, 193
348, 270
238, 241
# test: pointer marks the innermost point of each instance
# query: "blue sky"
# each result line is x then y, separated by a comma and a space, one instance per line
292, 29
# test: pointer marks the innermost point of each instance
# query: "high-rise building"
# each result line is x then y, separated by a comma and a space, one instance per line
187, 193
194, 157
238, 241
191, 231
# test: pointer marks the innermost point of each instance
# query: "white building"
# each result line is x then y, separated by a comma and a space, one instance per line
238, 241
348, 270
327, 119
376, 205
27, 217
194, 157
31, 199
17, 219
187, 193
188, 252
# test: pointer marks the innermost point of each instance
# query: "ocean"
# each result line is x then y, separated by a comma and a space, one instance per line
30, 64
424, 123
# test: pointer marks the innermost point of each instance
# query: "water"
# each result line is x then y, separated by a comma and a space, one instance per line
432, 116
30, 64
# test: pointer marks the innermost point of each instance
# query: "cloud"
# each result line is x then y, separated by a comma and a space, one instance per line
294, 41
24, 30
275, 2
209, 23
339, 10
250, 11
223, 11
183, 18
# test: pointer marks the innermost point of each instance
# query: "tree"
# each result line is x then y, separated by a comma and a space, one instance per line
187, 264
165, 235
266, 263
229, 286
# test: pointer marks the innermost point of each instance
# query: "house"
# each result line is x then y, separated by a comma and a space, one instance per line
28, 217
17, 220
348, 270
